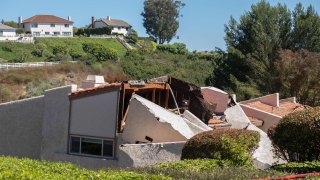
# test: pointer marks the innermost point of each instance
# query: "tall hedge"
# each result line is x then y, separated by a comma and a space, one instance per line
233, 145
296, 137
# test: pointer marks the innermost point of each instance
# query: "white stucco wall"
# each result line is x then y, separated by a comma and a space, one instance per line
20, 127
46, 27
95, 115
8, 32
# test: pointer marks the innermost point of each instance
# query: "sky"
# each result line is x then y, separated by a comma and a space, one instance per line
201, 27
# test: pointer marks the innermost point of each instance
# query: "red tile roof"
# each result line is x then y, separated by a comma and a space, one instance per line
95, 90
284, 108
46, 19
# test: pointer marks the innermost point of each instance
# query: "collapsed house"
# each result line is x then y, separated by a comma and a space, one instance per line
132, 123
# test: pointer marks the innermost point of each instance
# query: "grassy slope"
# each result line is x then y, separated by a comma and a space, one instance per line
77, 43
71, 43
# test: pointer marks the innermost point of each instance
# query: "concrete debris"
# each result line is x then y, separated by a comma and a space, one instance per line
148, 122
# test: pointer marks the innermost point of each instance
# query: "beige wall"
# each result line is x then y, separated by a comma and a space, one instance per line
271, 99
95, 115
141, 123
215, 97
268, 119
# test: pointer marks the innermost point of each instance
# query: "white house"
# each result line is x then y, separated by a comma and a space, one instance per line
118, 26
7, 31
47, 26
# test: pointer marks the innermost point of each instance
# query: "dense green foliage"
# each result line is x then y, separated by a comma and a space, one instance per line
206, 169
13, 168
100, 52
232, 145
253, 44
93, 31
299, 167
145, 65
58, 49
176, 48
160, 18
297, 136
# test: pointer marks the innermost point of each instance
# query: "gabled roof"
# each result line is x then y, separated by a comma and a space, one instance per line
114, 22
5, 27
46, 19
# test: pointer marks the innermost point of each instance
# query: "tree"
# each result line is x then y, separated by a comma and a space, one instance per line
298, 73
11, 24
160, 18
306, 29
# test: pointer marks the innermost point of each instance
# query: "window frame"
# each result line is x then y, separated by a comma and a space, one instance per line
34, 25
90, 155
66, 25
52, 25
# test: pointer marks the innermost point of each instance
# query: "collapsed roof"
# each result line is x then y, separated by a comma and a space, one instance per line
148, 122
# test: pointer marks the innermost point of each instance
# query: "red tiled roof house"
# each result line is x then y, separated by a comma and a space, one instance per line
47, 26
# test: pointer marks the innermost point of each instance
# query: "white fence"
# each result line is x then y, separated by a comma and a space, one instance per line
7, 66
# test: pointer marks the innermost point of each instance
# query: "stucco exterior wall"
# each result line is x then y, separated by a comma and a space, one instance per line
268, 119
8, 32
20, 127
133, 155
271, 99
55, 123
218, 98
46, 27
96, 115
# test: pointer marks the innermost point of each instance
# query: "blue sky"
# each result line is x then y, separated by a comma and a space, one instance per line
201, 27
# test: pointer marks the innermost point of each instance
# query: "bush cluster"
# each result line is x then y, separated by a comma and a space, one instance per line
234, 145
93, 31
176, 48
13, 168
297, 136
100, 52
299, 167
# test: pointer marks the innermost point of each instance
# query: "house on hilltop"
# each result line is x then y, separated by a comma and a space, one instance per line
118, 26
7, 31
47, 26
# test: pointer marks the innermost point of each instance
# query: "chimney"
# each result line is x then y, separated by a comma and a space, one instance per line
109, 18
93, 81
92, 21
20, 21
69, 18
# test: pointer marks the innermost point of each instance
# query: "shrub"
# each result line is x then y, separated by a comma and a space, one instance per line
100, 52
297, 136
233, 145
60, 49
19, 31
39, 49
299, 167
176, 48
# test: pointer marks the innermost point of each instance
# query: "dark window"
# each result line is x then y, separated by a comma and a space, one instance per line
66, 25
35, 25
91, 146
47, 33
52, 25
107, 148
75, 145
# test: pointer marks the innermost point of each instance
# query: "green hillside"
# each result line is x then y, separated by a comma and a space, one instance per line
20, 52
